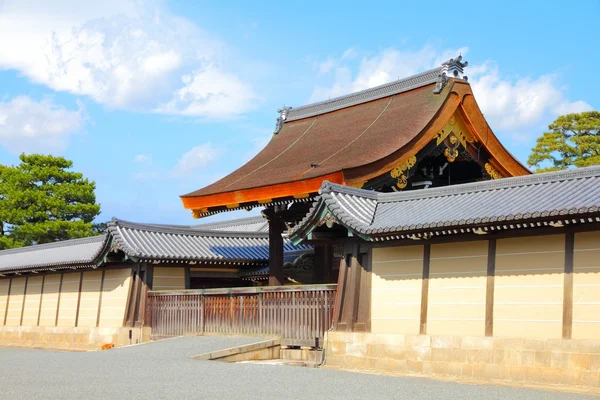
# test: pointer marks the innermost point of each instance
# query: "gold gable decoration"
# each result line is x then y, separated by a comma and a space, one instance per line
452, 136
401, 171
492, 172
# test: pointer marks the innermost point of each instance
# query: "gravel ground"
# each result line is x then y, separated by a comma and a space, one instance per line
164, 370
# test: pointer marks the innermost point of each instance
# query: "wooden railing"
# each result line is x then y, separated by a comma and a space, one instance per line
296, 314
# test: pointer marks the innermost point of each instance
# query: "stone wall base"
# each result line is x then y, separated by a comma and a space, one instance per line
68, 338
519, 360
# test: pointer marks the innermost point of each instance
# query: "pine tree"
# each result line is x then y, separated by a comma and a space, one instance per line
573, 140
42, 201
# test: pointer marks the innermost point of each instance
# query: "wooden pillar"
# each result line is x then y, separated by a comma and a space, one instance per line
363, 313
7, 300
489, 294
79, 298
60, 284
146, 284
354, 289
276, 227
132, 302
41, 300
24, 299
322, 265
100, 298
567, 323
425, 288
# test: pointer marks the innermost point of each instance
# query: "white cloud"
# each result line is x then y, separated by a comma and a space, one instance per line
521, 103
132, 56
389, 65
31, 126
212, 93
508, 104
198, 157
142, 158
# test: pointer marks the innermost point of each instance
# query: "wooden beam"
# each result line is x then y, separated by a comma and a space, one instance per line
489, 294
187, 277
363, 315
41, 299
100, 298
128, 303
7, 299
341, 294
425, 288
79, 298
567, 322
322, 262
24, 298
134, 296
62, 275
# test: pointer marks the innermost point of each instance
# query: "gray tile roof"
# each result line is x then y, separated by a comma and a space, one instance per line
378, 92
208, 242
169, 242
251, 224
69, 253
528, 198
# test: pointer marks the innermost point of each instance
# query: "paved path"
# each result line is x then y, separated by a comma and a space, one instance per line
164, 370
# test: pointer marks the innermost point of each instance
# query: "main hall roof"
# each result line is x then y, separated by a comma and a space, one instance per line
347, 140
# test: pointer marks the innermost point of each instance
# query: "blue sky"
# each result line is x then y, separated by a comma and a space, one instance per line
153, 99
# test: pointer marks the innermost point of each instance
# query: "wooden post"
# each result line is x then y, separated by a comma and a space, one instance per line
78, 299
24, 299
425, 288
60, 284
322, 265
100, 298
7, 300
41, 299
187, 275
567, 323
276, 227
132, 298
363, 314
340, 295
489, 294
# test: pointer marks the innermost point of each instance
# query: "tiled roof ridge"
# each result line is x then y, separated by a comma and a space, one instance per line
503, 183
387, 89
179, 230
328, 200
62, 243
464, 188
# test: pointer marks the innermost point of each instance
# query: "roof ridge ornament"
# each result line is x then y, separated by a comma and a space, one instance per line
283, 113
453, 68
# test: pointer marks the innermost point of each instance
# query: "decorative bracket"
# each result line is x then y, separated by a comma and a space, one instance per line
492, 172
400, 173
327, 220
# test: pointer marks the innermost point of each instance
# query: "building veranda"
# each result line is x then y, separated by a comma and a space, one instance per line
450, 257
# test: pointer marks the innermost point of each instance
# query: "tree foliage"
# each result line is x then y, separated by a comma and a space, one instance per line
572, 140
42, 201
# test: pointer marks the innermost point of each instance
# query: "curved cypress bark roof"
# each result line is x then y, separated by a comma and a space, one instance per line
349, 140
